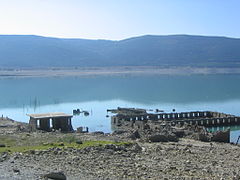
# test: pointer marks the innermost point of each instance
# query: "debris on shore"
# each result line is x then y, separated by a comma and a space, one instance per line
166, 127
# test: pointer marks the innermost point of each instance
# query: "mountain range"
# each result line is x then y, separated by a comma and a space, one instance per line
32, 51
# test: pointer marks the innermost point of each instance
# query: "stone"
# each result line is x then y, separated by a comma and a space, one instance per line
221, 136
16, 170
2, 145
79, 142
110, 146
159, 148
158, 138
179, 133
119, 132
32, 151
137, 148
46, 144
135, 135
4, 155
163, 138
61, 144
172, 138
98, 132
203, 137
55, 175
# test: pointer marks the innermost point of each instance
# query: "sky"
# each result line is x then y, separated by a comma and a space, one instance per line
119, 19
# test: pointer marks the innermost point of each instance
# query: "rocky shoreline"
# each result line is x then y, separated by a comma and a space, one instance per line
120, 157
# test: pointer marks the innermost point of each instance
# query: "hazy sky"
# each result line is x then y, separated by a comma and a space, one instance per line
119, 19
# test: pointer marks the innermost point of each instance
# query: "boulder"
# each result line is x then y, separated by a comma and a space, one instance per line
203, 137
115, 147
135, 135
137, 148
172, 137
119, 132
179, 133
162, 138
158, 138
221, 136
79, 142
16, 170
98, 132
55, 175
2, 145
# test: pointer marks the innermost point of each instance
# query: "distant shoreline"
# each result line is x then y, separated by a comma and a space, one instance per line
96, 71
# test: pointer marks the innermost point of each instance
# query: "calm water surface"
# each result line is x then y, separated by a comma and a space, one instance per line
20, 96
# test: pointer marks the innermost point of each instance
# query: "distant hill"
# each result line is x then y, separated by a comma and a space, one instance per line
149, 50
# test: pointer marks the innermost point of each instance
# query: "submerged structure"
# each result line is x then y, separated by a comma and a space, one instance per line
128, 111
202, 118
51, 121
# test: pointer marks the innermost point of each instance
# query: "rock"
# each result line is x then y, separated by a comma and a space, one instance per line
158, 148
135, 135
119, 132
137, 148
221, 136
163, 138
2, 145
46, 144
110, 146
115, 147
98, 132
37, 152
79, 142
16, 170
179, 133
172, 138
32, 151
55, 175
5, 155
61, 144
203, 137
158, 138
75, 158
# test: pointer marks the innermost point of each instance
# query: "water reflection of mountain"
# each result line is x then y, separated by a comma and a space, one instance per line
139, 89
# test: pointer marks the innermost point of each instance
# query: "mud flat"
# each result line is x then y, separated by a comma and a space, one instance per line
31, 155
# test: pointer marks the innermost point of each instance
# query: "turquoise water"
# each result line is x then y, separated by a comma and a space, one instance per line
96, 94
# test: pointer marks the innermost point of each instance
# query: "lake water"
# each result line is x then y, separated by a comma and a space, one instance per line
96, 94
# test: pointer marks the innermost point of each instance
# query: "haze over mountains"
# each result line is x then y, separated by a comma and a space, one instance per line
175, 50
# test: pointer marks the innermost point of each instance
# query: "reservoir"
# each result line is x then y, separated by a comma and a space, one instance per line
96, 94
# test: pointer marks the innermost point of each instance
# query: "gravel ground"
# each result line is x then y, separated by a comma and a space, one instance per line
186, 159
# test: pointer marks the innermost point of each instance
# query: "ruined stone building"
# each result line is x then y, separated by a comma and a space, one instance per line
51, 121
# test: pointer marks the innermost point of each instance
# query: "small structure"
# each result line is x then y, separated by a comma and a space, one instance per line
50, 121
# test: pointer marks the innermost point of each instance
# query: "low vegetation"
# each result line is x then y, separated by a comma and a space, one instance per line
27, 143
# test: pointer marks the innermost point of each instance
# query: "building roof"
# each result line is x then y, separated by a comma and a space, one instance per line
49, 115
